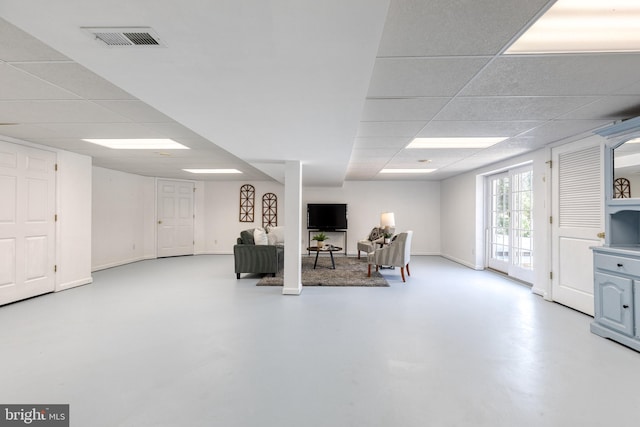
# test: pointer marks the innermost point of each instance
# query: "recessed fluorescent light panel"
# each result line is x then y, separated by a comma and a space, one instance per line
455, 142
139, 144
212, 170
579, 26
407, 171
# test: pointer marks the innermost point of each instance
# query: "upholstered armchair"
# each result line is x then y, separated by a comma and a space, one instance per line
369, 244
397, 254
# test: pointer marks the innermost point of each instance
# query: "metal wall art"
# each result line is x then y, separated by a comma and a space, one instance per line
269, 210
247, 202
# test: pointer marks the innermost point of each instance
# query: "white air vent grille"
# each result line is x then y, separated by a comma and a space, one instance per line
124, 37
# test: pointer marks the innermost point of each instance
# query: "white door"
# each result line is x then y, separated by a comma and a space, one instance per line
510, 226
175, 218
578, 217
27, 224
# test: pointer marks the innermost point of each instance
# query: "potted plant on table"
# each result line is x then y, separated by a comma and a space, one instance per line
387, 237
320, 238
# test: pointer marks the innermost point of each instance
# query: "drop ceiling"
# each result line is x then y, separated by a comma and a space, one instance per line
341, 86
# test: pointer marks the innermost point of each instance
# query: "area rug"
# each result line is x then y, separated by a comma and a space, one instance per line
348, 272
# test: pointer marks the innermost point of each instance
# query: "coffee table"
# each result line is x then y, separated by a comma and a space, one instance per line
330, 249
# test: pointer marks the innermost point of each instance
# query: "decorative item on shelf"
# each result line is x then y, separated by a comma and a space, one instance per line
387, 237
320, 238
269, 210
247, 202
388, 222
621, 188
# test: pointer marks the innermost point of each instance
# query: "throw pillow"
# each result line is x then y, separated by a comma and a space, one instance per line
247, 237
260, 236
375, 234
273, 240
278, 232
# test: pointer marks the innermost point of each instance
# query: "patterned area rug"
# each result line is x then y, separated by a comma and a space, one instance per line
348, 272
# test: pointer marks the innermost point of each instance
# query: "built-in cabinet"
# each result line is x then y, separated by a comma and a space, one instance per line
617, 263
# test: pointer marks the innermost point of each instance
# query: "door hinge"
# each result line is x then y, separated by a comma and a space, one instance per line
55, 167
550, 220
55, 268
550, 163
551, 275
55, 218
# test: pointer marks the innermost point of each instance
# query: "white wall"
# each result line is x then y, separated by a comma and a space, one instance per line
462, 205
123, 214
123, 218
217, 213
416, 206
73, 232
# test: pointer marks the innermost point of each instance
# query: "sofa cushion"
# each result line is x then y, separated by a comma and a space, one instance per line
272, 238
278, 232
260, 237
247, 237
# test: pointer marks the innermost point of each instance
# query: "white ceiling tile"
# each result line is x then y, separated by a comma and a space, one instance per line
398, 77
511, 108
56, 111
555, 75
381, 142
445, 27
15, 84
611, 107
476, 128
97, 130
135, 110
393, 129
76, 79
558, 130
402, 109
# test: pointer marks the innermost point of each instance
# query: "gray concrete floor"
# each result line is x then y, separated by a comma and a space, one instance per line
181, 342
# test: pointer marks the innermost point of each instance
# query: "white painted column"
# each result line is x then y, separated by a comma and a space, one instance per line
293, 241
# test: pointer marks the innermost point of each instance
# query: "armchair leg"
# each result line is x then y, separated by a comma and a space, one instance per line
358, 253
369, 271
237, 275
377, 267
402, 273
408, 272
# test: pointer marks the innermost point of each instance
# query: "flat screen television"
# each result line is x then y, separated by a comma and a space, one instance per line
327, 216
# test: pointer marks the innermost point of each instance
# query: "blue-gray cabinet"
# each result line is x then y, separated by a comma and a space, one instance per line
617, 295
617, 263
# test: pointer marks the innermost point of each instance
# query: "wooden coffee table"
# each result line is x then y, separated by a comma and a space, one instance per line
330, 249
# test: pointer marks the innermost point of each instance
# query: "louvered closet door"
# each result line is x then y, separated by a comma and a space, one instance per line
578, 217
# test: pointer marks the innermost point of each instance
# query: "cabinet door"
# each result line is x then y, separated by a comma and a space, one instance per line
614, 302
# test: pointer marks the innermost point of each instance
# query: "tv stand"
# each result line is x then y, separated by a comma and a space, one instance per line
328, 231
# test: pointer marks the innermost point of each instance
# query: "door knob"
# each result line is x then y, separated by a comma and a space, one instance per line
600, 235
159, 222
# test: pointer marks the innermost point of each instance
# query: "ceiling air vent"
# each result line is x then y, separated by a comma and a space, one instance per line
125, 37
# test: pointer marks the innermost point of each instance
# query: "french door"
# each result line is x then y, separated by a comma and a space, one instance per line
510, 229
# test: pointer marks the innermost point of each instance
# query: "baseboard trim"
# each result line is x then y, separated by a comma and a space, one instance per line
463, 262
123, 262
73, 284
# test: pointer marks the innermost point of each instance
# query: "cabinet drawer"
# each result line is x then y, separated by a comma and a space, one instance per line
617, 264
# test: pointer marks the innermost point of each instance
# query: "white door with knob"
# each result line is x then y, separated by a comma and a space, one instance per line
27, 222
175, 218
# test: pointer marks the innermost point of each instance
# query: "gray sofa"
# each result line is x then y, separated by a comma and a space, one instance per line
252, 258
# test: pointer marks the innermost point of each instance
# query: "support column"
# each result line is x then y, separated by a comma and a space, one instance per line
292, 211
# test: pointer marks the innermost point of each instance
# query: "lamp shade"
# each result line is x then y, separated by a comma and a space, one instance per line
387, 219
